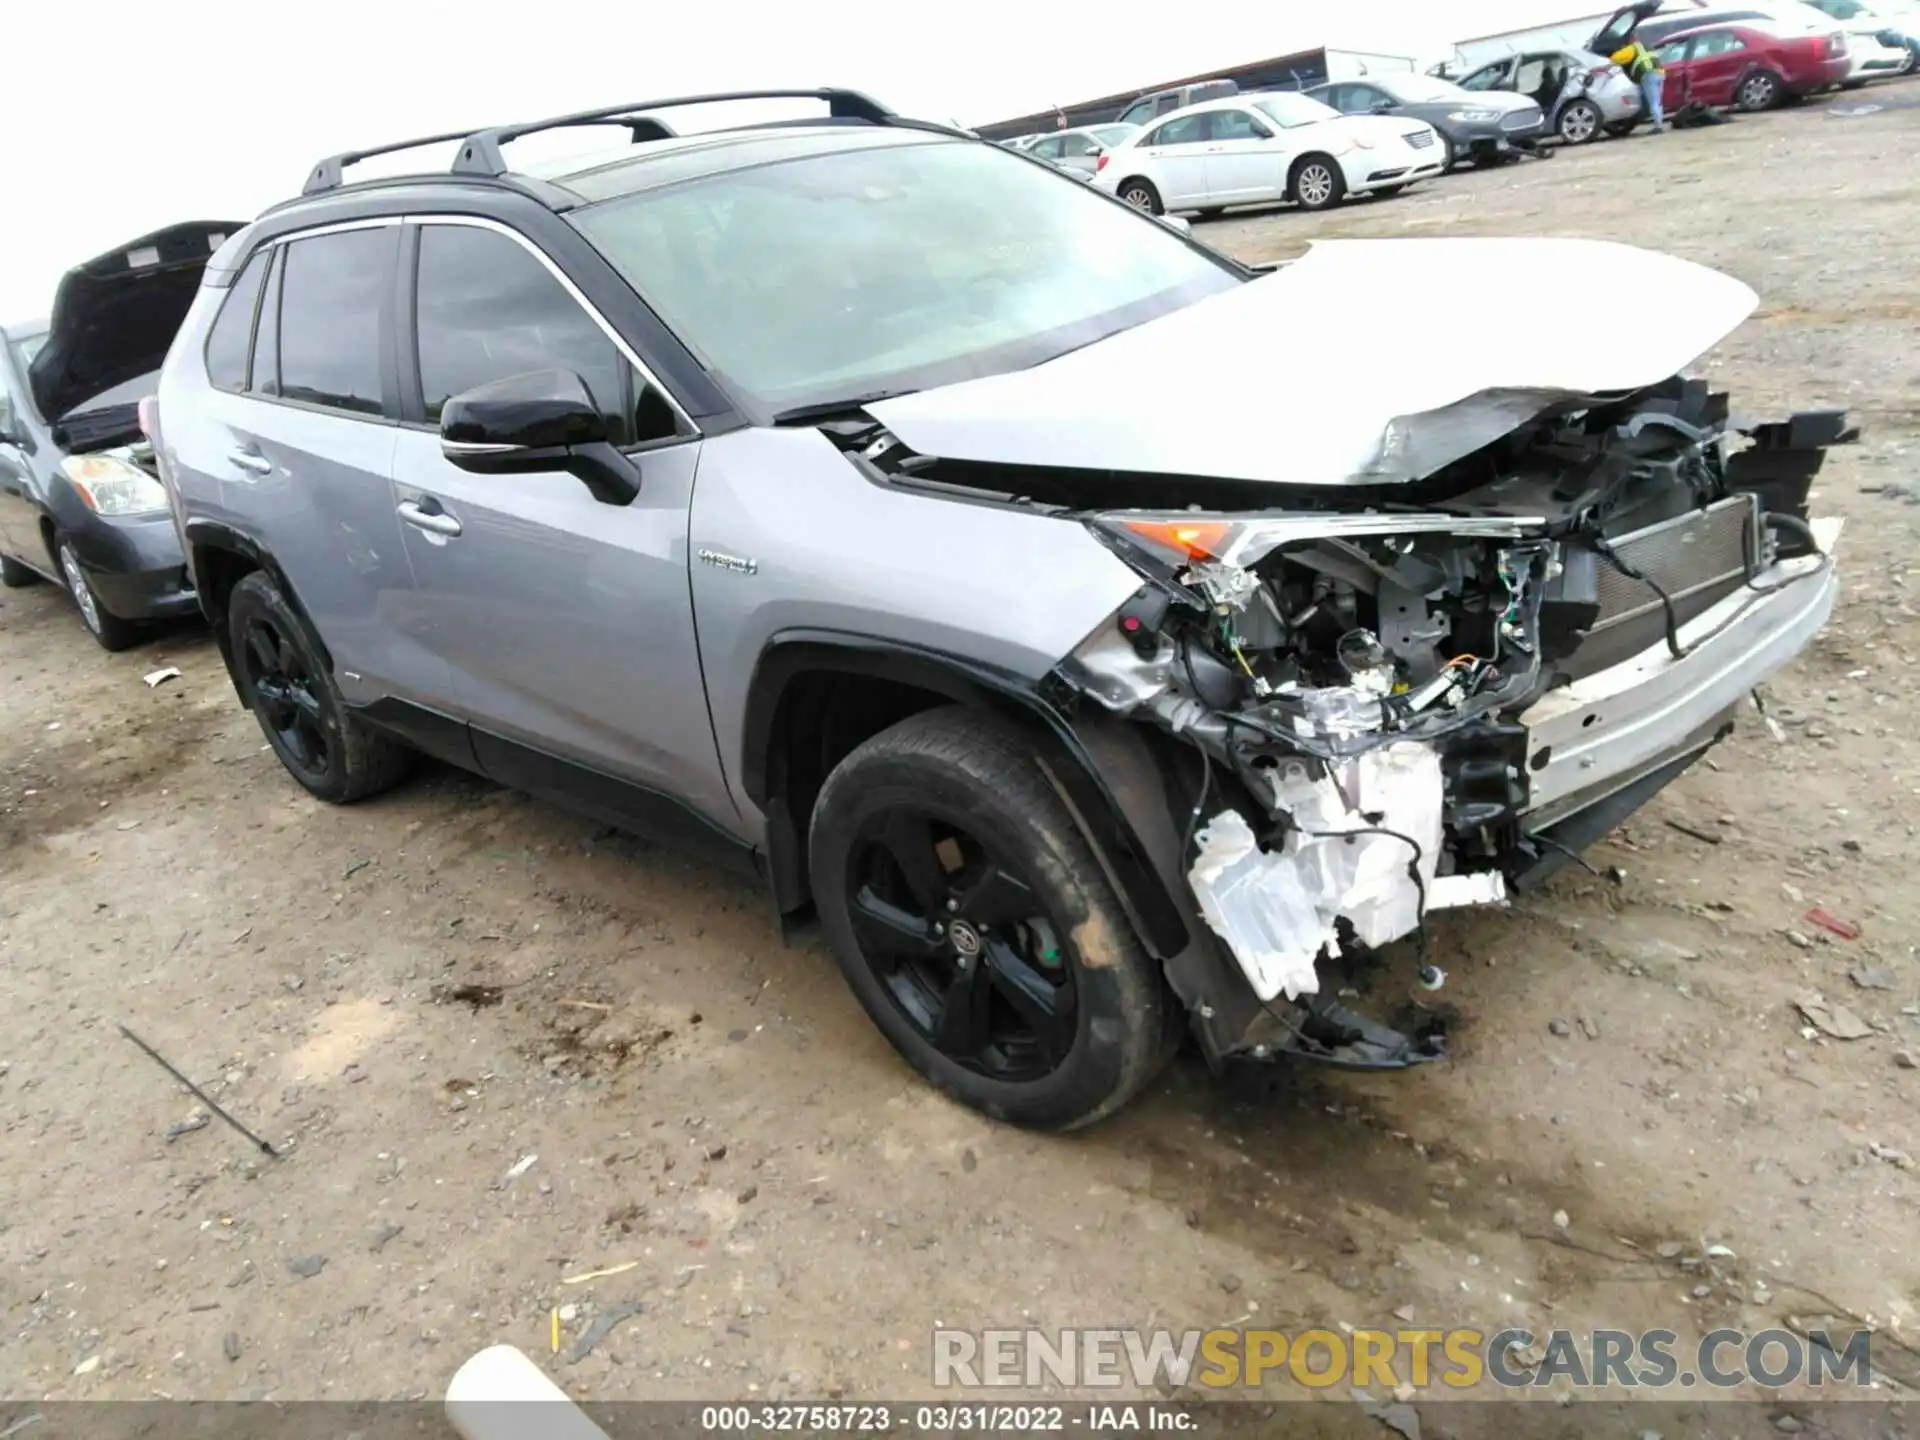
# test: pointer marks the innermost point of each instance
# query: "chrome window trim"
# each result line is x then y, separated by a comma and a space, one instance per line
477, 222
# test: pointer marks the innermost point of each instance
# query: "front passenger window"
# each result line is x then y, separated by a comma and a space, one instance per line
487, 309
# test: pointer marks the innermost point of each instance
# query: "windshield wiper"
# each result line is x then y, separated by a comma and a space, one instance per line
827, 409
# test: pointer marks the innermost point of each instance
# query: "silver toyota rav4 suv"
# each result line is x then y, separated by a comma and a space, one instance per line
986, 566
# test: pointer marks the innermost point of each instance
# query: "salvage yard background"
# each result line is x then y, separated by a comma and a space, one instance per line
503, 1047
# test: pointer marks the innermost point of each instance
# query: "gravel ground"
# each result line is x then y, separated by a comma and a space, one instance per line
501, 1047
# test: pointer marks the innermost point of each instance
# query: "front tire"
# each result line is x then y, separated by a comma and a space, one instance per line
289, 687
1579, 123
1317, 183
1761, 90
976, 927
1141, 195
108, 629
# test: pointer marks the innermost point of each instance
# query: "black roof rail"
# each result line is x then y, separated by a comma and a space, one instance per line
481, 154
329, 174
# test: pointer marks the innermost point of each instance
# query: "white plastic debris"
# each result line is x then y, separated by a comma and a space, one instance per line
521, 1166
1277, 911
157, 678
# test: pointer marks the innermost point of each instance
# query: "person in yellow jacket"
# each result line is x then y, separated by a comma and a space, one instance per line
1644, 71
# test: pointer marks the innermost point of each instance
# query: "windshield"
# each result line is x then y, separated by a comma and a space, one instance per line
1288, 110
892, 267
1418, 89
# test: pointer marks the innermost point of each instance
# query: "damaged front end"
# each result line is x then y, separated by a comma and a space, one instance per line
1386, 702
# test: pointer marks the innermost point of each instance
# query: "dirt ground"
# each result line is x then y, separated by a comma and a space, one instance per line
501, 1047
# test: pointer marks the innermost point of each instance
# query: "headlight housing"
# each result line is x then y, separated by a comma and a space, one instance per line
1472, 117
112, 486
1194, 537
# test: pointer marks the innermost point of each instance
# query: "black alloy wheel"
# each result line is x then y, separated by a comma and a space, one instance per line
961, 944
977, 928
283, 687
283, 677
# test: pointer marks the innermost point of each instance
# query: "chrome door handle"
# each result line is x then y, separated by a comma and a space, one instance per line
247, 460
434, 522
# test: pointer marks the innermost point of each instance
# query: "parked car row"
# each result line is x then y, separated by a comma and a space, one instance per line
1210, 145
766, 490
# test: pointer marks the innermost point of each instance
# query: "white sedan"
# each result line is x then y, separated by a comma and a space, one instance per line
1262, 148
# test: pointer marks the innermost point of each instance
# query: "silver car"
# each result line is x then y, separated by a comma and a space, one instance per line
887, 516
1079, 150
1584, 96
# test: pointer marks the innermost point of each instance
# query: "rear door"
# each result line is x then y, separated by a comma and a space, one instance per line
1246, 162
1178, 150
295, 435
1712, 71
566, 622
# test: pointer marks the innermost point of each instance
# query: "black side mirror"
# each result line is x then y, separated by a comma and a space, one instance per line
545, 420
1385, 107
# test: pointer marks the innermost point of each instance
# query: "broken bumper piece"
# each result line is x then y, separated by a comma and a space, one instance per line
1361, 846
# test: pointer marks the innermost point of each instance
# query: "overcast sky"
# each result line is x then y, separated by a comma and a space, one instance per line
124, 117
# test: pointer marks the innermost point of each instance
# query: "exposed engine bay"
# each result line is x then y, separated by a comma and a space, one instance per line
1358, 671
1361, 678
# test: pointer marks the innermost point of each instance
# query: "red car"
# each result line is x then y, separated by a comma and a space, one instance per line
1749, 67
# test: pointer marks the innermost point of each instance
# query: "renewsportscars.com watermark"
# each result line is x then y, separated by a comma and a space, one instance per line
1458, 1359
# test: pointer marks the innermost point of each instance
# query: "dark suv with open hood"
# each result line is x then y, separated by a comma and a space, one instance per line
80, 501
821, 492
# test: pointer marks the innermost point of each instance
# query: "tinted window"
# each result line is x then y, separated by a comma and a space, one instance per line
488, 309
1167, 102
232, 335
1720, 42
1238, 125
1137, 113
1672, 54
331, 297
1487, 79
265, 379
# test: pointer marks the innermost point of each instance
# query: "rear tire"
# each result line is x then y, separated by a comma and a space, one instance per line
1141, 195
109, 631
286, 682
1317, 182
1579, 123
978, 930
1761, 90
16, 576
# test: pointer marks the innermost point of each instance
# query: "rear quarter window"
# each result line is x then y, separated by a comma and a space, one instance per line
231, 339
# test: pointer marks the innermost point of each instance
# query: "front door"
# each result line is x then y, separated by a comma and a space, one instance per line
567, 623
1245, 163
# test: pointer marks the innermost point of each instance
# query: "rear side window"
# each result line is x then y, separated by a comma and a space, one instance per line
332, 291
486, 309
232, 334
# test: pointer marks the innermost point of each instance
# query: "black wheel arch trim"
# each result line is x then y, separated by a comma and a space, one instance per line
204, 535
1073, 768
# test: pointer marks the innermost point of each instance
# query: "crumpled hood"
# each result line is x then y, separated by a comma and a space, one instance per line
115, 315
1348, 366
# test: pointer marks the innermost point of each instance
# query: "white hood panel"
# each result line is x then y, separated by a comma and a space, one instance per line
1295, 377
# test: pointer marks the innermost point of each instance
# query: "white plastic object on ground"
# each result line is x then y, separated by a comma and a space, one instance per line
1277, 911
502, 1395
161, 676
